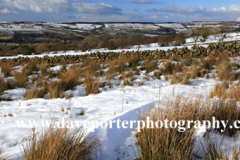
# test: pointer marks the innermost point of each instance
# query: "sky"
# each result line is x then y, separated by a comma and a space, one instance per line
119, 10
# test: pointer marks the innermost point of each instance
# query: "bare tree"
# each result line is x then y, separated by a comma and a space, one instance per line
222, 37
195, 39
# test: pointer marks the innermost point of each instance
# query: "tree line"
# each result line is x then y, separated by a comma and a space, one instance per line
92, 42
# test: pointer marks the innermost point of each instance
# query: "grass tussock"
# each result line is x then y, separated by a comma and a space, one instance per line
224, 71
32, 68
149, 66
82, 112
157, 74
168, 68
207, 63
234, 92
21, 78
126, 77
219, 91
225, 110
6, 69
134, 61
166, 143
34, 92
5, 85
69, 79
91, 67
194, 72
2, 156
2, 85
91, 85
180, 73
213, 150
183, 78
62, 144
41, 81
117, 66
222, 90
178, 143
10, 84
55, 89
44, 69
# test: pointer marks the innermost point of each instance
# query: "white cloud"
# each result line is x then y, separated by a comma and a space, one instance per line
38, 6
176, 13
219, 9
176, 9
50, 6
136, 10
102, 9
153, 17
4, 11
105, 18
238, 19
144, 2
234, 8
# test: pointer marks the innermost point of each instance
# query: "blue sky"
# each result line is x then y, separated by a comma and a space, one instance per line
119, 10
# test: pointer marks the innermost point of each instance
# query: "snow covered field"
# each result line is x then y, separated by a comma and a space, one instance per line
131, 25
216, 38
189, 43
108, 105
87, 26
120, 102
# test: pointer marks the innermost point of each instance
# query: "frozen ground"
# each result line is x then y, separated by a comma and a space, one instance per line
119, 102
216, 38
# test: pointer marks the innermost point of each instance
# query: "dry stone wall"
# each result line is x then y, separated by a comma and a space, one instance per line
232, 49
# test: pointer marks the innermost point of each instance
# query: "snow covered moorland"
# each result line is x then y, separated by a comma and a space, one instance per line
132, 88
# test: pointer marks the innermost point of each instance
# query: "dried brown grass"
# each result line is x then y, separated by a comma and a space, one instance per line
183, 78
5, 85
207, 63
234, 92
168, 143
55, 89
168, 68
32, 68
150, 66
2, 155
21, 78
6, 69
91, 67
91, 84
62, 144
2, 85
219, 91
35, 92
69, 79
116, 66
224, 71
44, 69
